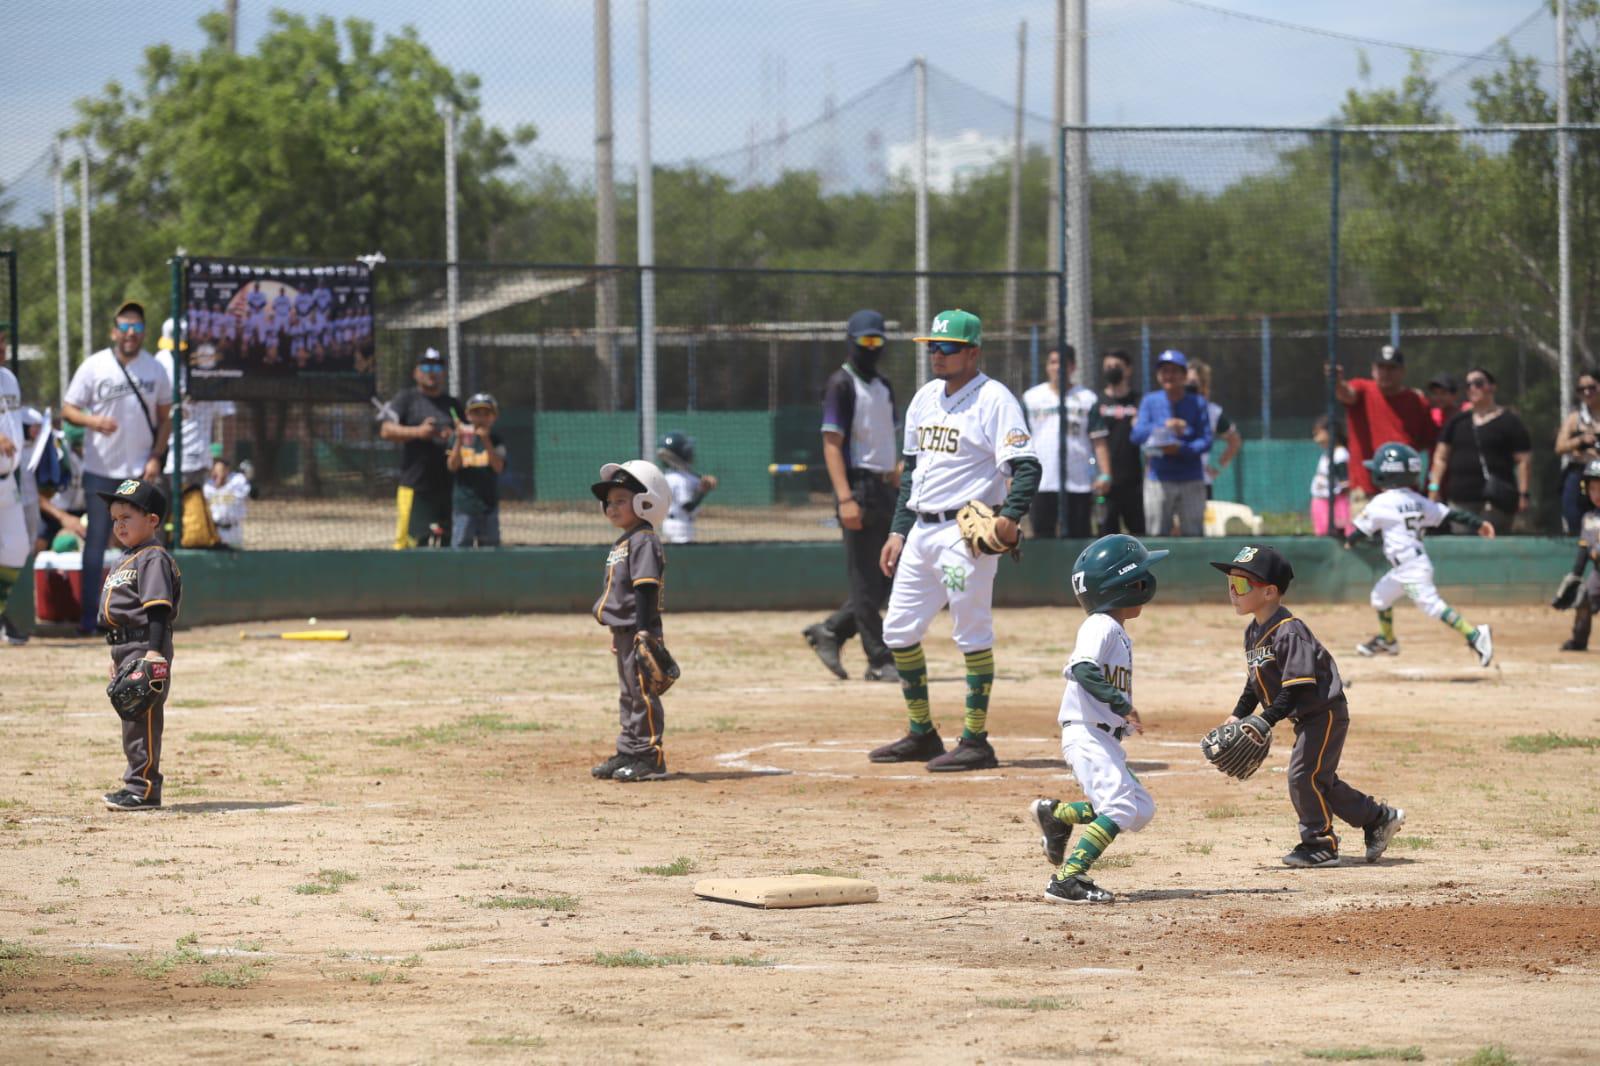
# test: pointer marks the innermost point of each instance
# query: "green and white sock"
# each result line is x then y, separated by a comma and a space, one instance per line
912, 666
1386, 623
1095, 838
980, 679
1074, 813
1459, 624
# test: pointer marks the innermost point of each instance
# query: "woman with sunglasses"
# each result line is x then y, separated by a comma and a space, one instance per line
1484, 458
1578, 444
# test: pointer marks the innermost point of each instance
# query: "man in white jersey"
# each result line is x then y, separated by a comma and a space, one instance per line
16, 538
123, 398
964, 435
1088, 469
1399, 514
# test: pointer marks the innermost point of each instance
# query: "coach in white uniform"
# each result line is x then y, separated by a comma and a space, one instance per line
16, 536
965, 434
123, 399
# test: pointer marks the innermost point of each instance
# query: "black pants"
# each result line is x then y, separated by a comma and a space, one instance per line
862, 614
1124, 510
1315, 788
1045, 514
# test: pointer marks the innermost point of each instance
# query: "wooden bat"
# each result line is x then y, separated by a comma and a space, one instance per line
302, 634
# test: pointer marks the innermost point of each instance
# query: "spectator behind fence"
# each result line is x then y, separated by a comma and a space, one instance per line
61, 513
477, 459
123, 398
199, 420
1340, 479
422, 420
1380, 409
1578, 442
1444, 398
15, 541
1088, 461
227, 496
1174, 429
1222, 426
1484, 458
1119, 407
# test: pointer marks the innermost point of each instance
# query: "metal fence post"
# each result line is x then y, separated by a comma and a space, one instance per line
1266, 377
180, 375
1333, 318
10, 255
1061, 345
1144, 355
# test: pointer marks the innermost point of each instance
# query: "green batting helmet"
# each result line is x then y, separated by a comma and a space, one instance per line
1395, 466
1114, 572
676, 449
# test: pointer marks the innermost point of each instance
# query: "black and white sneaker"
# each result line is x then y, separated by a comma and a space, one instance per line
124, 800
1054, 833
10, 634
1483, 644
1306, 857
1380, 833
642, 768
1075, 889
1379, 645
609, 767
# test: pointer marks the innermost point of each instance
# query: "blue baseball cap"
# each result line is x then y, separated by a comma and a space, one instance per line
1172, 357
864, 323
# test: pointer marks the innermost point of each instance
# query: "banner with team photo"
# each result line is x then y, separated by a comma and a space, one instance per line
257, 331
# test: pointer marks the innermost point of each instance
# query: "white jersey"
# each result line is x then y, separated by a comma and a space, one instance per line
1084, 426
228, 503
11, 423
1103, 642
101, 388
199, 426
678, 528
963, 444
1400, 516
1319, 481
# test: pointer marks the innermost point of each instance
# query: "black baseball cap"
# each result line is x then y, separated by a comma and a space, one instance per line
1445, 380
1389, 355
864, 323
141, 494
1263, 563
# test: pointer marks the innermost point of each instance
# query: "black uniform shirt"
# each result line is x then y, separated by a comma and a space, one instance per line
1283, 654
422, 464
1119, 413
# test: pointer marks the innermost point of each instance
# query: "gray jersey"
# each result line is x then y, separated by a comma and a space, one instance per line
636, 558
145, 577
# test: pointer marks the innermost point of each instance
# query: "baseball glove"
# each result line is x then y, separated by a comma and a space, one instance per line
658, 669
1566, 592
976, 521
1237, 747
136, 686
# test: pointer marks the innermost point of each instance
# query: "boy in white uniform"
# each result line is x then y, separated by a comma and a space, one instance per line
1399, 513
227, 498
1113, 582
964, 434
1088, 458
675, 457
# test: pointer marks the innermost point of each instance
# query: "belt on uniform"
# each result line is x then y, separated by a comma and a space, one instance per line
935, 517
1119, 732
1403, 557
130, 635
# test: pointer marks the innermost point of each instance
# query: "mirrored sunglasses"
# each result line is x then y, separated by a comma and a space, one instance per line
947, 347
1242, 585
130, 327
874, 343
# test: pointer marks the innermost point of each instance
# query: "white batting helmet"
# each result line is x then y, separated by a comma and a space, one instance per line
645, 479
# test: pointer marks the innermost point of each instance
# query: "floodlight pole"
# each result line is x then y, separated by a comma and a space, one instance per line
1564, 210
920, 67
1333, 319
647, 249
1080, 334
452, 249
84, 251
65, 359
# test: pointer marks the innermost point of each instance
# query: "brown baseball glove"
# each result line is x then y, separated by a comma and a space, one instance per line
1238, 747
976, 521
657, 668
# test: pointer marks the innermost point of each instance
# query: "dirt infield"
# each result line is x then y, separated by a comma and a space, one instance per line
391, 850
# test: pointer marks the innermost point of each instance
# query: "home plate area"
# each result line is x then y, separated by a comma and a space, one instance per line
1037, 758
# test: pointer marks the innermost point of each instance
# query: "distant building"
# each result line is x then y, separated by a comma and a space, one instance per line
951, 160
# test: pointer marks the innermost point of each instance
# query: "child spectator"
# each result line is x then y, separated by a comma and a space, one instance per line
227, 498
1340, 478
477, 458
689, 489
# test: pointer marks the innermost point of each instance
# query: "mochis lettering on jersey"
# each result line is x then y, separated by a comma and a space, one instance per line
938, 439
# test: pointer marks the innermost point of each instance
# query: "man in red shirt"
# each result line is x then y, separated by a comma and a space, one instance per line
1381, 409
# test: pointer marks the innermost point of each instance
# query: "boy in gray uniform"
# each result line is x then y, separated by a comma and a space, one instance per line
1583, 594
634, 495
1289, 674
138, 605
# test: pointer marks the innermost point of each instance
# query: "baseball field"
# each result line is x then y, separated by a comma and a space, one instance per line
392, 849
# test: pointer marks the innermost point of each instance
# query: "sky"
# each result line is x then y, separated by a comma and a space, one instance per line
724, 73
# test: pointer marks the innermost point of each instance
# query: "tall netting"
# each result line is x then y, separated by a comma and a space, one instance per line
1220, 243
742, 358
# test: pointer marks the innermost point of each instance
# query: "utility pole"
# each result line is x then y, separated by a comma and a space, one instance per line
232, 10
1014, 216
647, 248
62, 341
1564, 209
1079, 291
605, 210
84, 252
452, 249
924, 313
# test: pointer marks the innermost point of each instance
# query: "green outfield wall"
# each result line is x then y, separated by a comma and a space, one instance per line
243, 586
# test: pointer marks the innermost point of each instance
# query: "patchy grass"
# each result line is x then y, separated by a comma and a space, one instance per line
467, 729
745, 960
1197, 849
326, 883
1413, 843
396, 886
242, 975
1227, 810
15, 957
1114, 862
683, 864
1539, 743
557, 902
509, 1040
1037, 1003
1493, 1055
254, 738
953, 879
826, 871
1364, 1054
635, 957
153, 862
451, 945
379, 977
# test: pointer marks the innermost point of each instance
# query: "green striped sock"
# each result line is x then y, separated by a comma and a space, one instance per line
980, 679
1454, 620
1095, 838
1077, 813
1386, 623
913, 668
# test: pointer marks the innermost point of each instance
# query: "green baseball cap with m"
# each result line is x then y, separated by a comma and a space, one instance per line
962, 326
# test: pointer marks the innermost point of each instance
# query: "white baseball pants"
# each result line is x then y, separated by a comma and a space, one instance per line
936, 570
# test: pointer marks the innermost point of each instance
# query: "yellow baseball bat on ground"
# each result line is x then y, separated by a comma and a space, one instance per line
301, 634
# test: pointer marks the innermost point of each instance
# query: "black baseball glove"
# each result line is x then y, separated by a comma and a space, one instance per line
658, 669
1566, 592
1238, 747
137, 685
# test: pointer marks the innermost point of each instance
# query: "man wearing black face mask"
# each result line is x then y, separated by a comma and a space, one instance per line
1119, 406
858, 445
